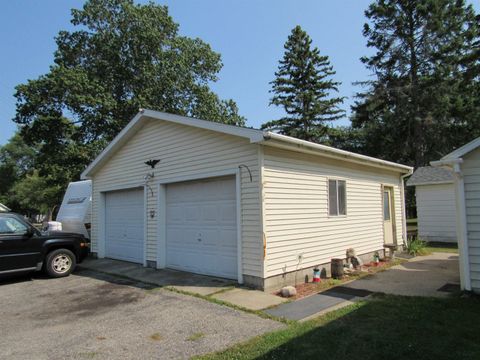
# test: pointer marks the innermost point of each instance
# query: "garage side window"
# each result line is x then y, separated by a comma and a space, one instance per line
337, 197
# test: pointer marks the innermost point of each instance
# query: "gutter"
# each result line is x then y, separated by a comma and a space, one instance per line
461, 218
328, 151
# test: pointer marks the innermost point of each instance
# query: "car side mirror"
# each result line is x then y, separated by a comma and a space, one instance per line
30, 232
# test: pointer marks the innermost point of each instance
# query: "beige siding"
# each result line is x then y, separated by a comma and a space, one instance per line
471, 172
184, 152
296, 215
436, 212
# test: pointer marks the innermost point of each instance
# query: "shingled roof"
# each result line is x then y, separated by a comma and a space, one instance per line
430, 175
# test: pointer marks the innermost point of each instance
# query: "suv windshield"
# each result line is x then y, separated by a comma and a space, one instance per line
10, 225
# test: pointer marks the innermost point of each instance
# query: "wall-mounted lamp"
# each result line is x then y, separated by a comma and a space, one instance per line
152, 214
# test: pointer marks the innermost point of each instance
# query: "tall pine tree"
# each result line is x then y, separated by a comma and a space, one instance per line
424, 99
302, 87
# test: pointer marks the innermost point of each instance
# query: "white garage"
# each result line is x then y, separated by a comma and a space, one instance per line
124, 225
236, 202
201, 229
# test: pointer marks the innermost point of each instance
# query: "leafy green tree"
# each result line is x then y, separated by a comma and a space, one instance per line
35, 194
424, 99
303, 86
16, 161
121, 57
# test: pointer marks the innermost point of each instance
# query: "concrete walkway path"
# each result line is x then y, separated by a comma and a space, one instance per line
199, 284
218, 288
420, 276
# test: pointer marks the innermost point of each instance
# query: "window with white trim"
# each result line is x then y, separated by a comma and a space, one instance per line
337, 197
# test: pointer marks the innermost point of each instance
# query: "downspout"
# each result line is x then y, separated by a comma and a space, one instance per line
461, 220
404, 205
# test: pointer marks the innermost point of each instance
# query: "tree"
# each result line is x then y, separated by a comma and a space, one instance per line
302, 87
423, 101
121, 57
35, 194
16, 161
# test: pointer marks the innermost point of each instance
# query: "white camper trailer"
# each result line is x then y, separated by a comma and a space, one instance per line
75, 211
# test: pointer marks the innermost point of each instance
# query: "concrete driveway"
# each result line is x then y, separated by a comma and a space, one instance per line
95, 316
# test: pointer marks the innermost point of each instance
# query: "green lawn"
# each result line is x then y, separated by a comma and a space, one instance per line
386, 327
441, 247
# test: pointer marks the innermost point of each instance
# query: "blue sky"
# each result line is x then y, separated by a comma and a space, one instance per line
249, 34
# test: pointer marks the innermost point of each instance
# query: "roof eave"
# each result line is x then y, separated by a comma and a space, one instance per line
327, 151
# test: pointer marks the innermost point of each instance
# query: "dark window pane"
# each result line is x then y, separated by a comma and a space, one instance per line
342, 198
386, 205
332, 197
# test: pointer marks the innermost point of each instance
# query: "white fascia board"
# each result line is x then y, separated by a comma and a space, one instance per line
461, 151
116, 142
328, 151
252, 134
446, 162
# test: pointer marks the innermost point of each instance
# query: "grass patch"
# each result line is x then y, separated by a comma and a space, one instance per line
226, 303
442, 247
88, 355
196, 336
390, 326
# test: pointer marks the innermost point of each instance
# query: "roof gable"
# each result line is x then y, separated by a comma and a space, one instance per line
254, 135
461, 151
145, 115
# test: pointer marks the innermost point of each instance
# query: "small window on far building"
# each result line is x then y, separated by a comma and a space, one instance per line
337, 197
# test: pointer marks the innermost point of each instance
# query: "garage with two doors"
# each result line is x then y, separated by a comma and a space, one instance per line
214, 199
201, 229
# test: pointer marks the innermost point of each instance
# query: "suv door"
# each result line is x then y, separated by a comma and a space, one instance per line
18, 246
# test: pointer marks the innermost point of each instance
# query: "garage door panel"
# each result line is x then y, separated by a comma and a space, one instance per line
201, 227
124, 225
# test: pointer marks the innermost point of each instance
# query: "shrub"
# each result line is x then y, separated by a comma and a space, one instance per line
416, 246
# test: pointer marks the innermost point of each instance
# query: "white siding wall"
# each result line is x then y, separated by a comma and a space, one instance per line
471, 172
185, 151
296, 215
436, 212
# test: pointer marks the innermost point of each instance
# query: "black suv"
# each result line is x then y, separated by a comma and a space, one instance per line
24, 248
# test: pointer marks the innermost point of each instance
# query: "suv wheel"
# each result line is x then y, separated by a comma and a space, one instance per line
60, 263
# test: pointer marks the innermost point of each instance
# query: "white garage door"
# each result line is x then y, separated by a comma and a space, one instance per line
201, 227
124, 225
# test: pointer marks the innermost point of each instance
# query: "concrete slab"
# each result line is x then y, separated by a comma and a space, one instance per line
250, 299
310, 305
195, 283
420, 276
